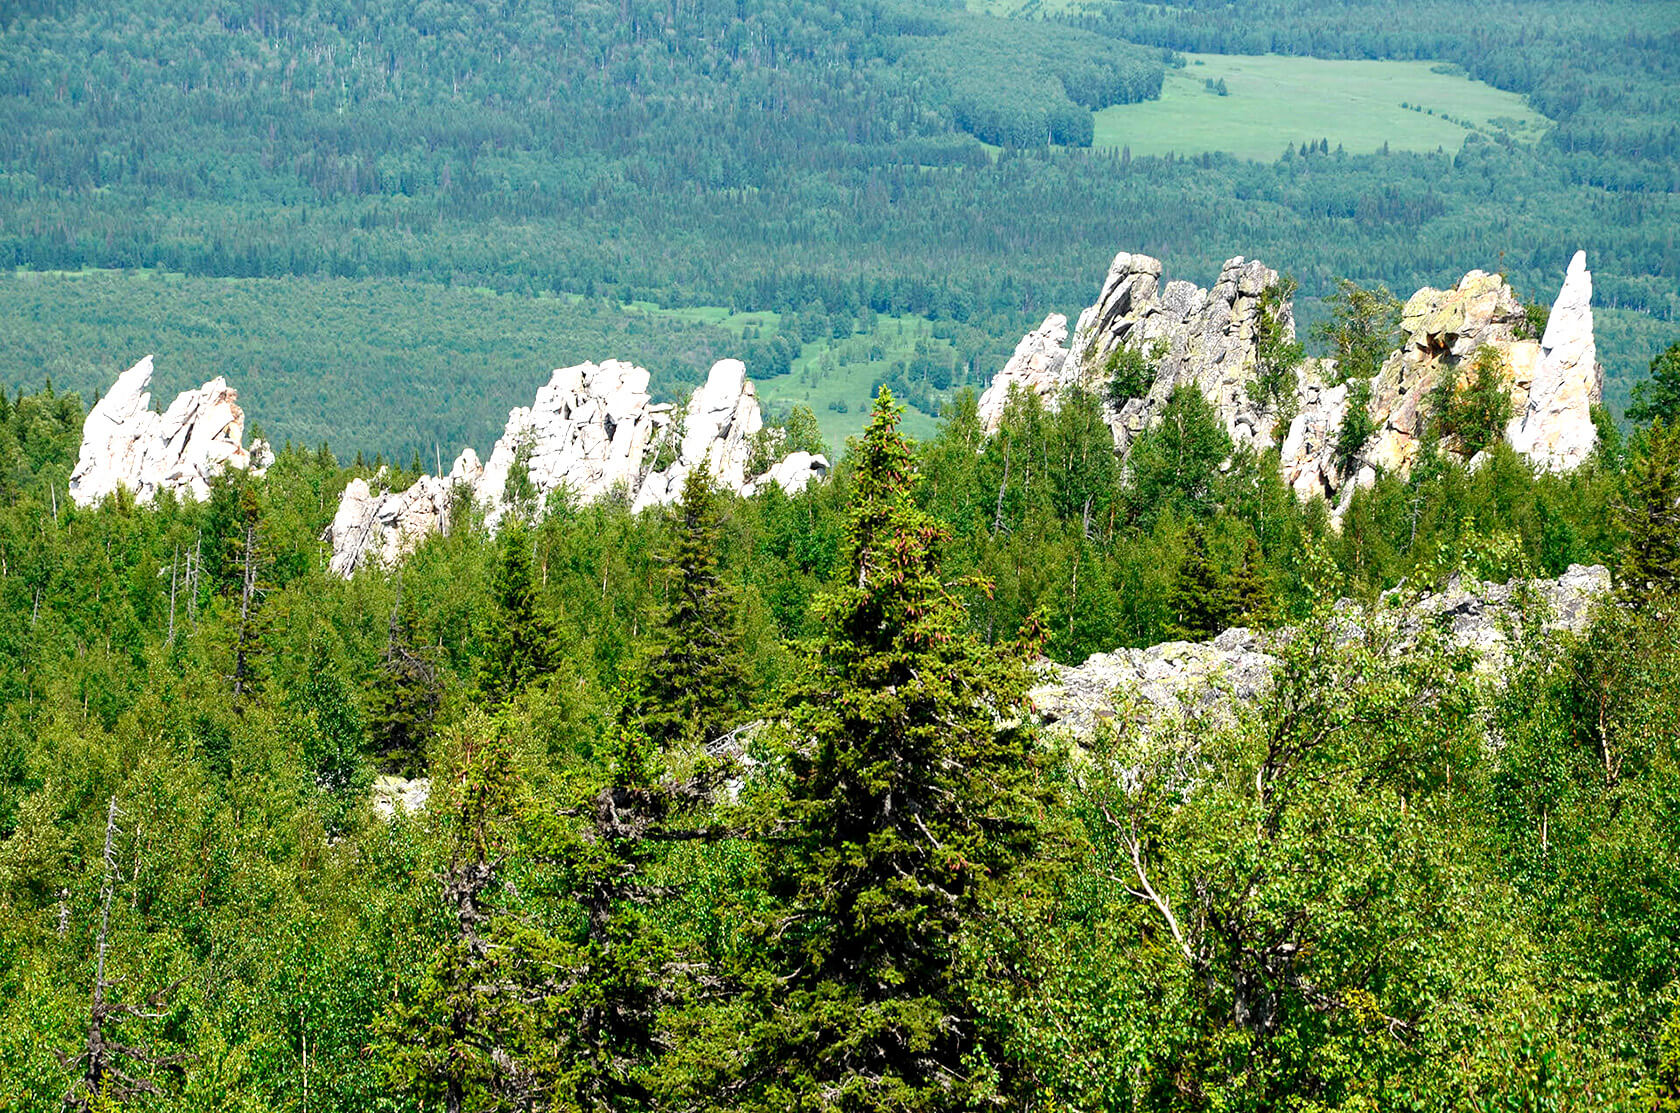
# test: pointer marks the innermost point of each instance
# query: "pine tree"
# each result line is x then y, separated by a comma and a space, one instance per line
1245, 596
1198, 598
1649, 510
465, 1029
521, 637
910, 791
696, 677
1658, 398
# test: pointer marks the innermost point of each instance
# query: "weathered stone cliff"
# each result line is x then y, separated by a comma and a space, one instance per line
1553, 383
1235, 669
125, 443
1210, 338
1207, 338
593, 430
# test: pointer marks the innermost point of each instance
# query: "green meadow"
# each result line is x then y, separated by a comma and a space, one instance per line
1274, 101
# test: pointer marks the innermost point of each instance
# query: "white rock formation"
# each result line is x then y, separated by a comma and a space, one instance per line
1190, 335
1554, 428
125, 443
593, 430
1036, 367
1553, 384
1209, 338
1216, 677
1308, 456
589, 430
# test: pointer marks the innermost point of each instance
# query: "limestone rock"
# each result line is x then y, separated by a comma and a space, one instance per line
1195, 336
1219, 677
1308, 455
1036, 367
391, 794
1554, 427
795, 472
588, 430
125, 443
593, 431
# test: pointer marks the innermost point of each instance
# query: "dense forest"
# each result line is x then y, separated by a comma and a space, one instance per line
834, 160
737, 805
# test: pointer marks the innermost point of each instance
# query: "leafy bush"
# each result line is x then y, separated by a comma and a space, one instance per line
1362, 329
1357, 425
1475, 415
1129, 373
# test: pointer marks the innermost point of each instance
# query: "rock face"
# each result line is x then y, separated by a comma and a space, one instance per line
1202, 337
593, 431
1554, 428
1235, 669
1036, 367
1553, 384
125, 443
1209, 338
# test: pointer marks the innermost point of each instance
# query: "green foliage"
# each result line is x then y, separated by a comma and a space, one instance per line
1649, 510
1129, 373
1473, 415
1361, 331
907, 798
696, 680
1357, 427
1277, 354
1658, 398
1176, 463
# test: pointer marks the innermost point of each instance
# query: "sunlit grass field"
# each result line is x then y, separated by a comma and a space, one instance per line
1275, 101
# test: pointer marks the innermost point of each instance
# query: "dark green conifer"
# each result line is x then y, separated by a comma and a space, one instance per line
1198, 598
521, 637
1650, 514
911, 784
1658, 398
696, 679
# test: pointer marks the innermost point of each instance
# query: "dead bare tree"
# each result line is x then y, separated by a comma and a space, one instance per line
109, 1068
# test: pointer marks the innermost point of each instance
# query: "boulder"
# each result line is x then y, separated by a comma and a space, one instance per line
125, 443
1216, 679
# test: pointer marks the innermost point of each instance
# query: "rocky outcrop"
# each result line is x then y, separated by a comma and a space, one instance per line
125, 443
1210, 338
1553, 384
592, 431
1206, 338
1036, 368
1554, 426
1308, 455
1217, 677
388, 525
389, 795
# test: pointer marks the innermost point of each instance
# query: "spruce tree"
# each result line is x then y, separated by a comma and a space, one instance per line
1649, 510
1198, 597
1658, 398
910, 787
696, 676
521, 637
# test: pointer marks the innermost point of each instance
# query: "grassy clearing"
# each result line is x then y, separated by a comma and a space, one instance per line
837, 378
1276, 101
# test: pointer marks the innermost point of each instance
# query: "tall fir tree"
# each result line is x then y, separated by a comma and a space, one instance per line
1650, 514
696, 678
521, 635
1199, 601
911, 790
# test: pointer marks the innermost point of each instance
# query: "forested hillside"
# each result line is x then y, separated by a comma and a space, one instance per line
820, 158
1393, 881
